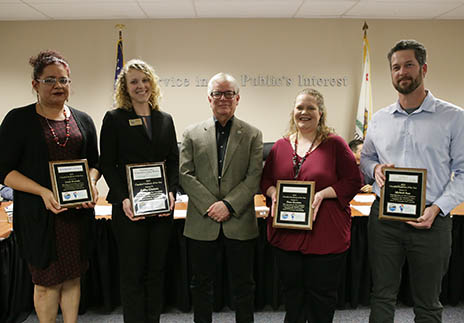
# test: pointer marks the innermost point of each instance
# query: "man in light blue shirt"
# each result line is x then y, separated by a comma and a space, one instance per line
418, 131
6, 193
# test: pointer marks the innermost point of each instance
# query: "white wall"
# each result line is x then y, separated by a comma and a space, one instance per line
187, 49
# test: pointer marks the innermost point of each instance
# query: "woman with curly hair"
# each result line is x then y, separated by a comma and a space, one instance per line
310, 262
136, 131
53, 240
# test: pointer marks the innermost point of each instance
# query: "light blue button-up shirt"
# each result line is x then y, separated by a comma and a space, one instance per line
431, 137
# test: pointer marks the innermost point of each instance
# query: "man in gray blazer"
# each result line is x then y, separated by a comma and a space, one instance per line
220, 170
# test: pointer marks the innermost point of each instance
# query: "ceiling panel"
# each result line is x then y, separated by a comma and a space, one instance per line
19, 11
173, 9
91, 10
333, 8
66, 2
457, 13
246, 9
400, 10
142, 9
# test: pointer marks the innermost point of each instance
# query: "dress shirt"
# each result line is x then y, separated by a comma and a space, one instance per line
431, 137
6, 193
222, 137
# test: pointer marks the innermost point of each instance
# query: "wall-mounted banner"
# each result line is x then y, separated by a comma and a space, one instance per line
262, 80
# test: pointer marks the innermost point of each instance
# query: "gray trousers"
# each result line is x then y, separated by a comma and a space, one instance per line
427, 252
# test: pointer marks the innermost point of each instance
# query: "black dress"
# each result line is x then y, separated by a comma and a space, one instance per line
70, 262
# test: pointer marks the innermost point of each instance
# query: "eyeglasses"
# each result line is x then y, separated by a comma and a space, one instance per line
50, 81
227, 94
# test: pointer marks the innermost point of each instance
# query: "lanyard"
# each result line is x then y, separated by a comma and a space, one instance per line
296, 164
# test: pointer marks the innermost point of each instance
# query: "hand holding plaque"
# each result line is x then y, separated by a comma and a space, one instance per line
71, 182
293, 206
402, 197
148, 190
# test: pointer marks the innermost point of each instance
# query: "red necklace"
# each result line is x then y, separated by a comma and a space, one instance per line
55, 137
296, 164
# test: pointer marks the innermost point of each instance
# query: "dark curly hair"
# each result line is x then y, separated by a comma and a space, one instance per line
45, 58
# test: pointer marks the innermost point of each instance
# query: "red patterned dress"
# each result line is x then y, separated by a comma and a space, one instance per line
68, 224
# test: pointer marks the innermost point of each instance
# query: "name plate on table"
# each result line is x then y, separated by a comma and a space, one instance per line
293, 206
71, 182
148, 190
402, 197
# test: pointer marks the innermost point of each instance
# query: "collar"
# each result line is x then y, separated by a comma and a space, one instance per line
428, 105
228, 124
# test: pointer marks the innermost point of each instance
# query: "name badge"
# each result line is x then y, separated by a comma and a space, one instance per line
135, 122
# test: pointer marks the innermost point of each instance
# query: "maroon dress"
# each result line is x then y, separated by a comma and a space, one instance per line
68, 224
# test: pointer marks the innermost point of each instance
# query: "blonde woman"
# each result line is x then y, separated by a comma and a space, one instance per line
136, 131
310, 262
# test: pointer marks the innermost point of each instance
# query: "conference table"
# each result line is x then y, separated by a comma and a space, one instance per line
100, 285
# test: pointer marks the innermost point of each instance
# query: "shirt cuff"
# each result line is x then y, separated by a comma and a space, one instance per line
229, 207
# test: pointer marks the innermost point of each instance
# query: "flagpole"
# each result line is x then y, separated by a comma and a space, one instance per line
119, 52
364, 111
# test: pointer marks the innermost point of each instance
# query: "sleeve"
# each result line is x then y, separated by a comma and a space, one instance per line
109, 163
240, 197
199, 196
6, 193
172, 160
267, 179
12, 150
453, 194
369, 156
92, 145
349, 178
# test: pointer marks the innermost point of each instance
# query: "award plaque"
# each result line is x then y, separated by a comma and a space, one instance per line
293, 205
148, 190
402, 197
71, 182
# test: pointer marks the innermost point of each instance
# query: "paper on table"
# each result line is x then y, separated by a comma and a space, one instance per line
102, 210
182, 198
180, 214
364, 198
364, 209
9, 208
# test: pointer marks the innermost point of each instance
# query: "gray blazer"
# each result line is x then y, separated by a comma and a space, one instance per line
239, 183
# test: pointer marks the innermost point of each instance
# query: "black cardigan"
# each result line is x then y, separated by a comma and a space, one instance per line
121, 144
25, 150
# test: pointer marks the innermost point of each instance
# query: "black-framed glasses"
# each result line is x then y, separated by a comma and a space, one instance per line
227, 94
50, 81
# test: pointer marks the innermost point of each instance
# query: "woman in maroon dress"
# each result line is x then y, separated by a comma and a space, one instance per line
53, 240
310, 262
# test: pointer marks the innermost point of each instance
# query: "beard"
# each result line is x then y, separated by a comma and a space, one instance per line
413, 84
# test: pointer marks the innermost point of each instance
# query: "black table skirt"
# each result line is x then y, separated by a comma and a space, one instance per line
100, 286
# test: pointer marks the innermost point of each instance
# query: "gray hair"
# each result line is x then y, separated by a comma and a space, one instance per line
223, 77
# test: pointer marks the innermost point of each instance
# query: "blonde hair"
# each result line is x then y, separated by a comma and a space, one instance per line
322, 130
121, 96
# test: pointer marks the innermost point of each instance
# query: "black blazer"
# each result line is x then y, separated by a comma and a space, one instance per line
25, 150
121, 144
